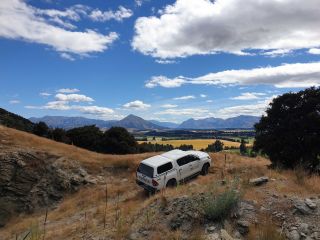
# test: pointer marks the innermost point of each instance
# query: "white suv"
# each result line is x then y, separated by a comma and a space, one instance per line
171, 168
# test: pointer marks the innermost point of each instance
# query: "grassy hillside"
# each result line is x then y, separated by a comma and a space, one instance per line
11, 138
87, 215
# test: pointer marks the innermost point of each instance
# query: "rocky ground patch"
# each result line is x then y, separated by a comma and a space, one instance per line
31, 180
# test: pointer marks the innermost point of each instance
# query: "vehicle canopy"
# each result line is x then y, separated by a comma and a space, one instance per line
164, 158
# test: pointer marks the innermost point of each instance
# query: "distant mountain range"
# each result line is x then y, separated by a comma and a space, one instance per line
242, 121
71, 122
165, 124
138, 123
129, 122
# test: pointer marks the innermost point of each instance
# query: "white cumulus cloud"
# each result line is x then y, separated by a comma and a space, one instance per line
248, 96
189, 27
68, 90
189, 112
20, 21
295, 75
138, 105
119, 15
45, 94
169, 106
165, 82
315, 51
14, 101
185, 97
256, 109
73, 98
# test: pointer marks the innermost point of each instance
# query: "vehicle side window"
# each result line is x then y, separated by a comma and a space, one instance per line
193, 158
183, 161
164, 168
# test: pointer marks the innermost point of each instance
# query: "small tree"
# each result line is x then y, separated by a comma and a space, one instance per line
185, 147
41, 129
88, 137
217, 146
59, 135
290, 132
243, 147
118, 140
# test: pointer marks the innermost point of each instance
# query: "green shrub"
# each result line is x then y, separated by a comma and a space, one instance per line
217, 146
219, 207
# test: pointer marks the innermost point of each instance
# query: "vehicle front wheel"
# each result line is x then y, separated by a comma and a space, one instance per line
171, 183
205, 169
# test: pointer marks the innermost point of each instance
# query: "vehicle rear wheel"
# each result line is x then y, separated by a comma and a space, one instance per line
171, 183
205, 169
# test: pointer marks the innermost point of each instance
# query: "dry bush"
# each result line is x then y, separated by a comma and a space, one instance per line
197, 234
265, 231
300, 176
218, 206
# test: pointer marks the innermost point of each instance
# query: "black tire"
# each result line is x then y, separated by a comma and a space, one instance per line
171, 183
205, 169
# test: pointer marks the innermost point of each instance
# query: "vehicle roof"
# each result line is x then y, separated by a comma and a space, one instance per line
175, 154
158, 160
198, 153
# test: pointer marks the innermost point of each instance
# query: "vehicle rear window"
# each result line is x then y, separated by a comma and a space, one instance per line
165, 167
145, 170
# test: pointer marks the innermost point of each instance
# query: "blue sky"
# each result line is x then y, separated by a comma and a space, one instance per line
163, 60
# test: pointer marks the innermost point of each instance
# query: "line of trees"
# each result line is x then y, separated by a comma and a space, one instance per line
116, 140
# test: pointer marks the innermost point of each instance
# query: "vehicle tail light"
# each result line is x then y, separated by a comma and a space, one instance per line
154, 183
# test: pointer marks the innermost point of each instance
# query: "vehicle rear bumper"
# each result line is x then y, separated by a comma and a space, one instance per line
145, 186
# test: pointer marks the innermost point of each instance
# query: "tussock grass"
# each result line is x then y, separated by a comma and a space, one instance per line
265, 231
219, 207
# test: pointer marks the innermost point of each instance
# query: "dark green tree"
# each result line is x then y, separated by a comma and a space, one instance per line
290, 132
243, 147
88, 137
217, 146
118, 140
150, 147
41, 129
60, 135
185, 147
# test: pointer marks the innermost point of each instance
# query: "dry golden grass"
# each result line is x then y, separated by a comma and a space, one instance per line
91, 160
266, 230
197, 143
125, 199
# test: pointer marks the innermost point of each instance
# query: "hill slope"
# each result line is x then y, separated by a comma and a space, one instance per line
36, 172
15, 121
165, 124
173, 214
135, 122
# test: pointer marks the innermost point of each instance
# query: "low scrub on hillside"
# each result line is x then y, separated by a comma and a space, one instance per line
218, 207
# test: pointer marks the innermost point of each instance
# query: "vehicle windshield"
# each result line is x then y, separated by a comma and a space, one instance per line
145, 170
